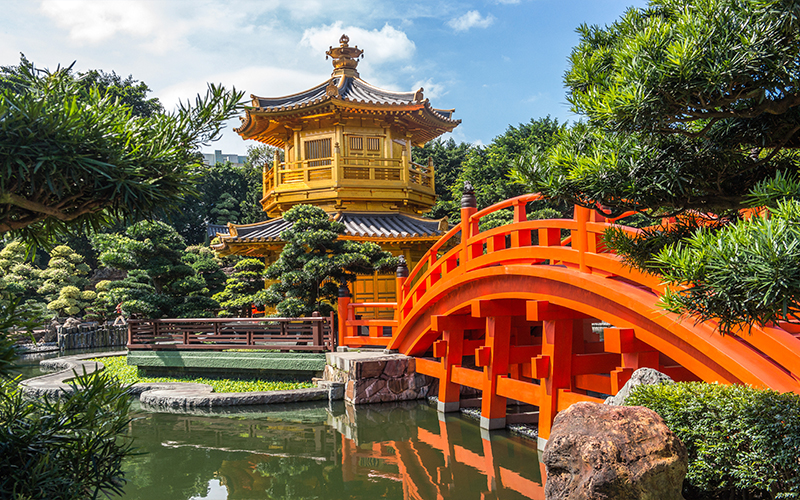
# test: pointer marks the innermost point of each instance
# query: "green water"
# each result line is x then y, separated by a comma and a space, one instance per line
391, 451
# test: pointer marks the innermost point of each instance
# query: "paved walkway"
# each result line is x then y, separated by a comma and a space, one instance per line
168, 394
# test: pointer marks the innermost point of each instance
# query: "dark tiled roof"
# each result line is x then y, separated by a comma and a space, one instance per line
352, 89
214, 229
390, 226
265, 231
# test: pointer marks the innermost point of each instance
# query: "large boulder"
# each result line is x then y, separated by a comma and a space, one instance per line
642, 376
607, 452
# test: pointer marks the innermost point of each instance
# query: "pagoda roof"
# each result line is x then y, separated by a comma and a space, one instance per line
390, 226
270, 119
349, 89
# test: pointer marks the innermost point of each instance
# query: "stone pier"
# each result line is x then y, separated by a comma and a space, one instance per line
377, 377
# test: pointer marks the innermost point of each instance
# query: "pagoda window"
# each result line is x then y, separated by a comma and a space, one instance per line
356, 143
373, 144
318, 152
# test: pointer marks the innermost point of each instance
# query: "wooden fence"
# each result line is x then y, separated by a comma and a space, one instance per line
313, 334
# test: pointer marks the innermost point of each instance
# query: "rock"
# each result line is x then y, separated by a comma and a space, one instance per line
71, 323
642, 376
607, 452
51, 334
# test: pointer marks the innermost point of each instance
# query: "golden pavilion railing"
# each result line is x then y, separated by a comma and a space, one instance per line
358, 168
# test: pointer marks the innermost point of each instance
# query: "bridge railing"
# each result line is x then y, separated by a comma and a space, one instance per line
466, 248
533, 242
313, 334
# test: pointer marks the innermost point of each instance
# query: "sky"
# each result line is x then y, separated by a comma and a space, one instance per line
498, 63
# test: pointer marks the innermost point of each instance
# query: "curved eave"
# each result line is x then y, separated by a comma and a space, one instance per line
265, 124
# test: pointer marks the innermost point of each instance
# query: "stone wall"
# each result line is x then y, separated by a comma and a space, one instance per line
91, 337
377, 378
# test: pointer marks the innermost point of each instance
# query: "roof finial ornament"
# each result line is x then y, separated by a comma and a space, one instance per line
345, 57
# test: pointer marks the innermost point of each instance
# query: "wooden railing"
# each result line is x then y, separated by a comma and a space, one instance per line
367, 168
313, 334
356, 332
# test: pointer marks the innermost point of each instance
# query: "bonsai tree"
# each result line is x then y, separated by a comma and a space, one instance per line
71, 301
242, 288
21, 279
66, 269
692, 114
159, 283
315, 261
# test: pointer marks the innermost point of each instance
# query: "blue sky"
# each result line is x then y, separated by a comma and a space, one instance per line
498, 63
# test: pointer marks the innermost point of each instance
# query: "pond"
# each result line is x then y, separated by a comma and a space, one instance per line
326, 452
323, 451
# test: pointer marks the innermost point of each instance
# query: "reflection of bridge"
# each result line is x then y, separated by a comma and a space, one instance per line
444, 463
509, 311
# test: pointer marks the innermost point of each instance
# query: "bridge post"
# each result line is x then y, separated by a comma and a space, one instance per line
469, 205
498, 340
580, 237
561, 338
400, 281
341, 310
451, 350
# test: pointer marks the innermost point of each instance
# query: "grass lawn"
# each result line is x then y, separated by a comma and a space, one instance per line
118, 367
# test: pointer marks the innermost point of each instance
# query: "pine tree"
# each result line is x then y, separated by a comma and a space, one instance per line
315, 261
242, 287
160, 283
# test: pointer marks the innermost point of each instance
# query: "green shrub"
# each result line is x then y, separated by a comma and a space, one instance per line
742, 442
67, 448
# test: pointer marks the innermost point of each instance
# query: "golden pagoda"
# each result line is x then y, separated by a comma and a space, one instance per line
347, 149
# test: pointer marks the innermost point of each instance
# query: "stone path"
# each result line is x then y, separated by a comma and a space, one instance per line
168, 394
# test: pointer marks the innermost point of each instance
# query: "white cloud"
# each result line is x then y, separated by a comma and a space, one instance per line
471, 19
508, 2
385, 45
92, 22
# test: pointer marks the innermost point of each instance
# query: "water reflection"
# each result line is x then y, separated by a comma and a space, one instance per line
399, 451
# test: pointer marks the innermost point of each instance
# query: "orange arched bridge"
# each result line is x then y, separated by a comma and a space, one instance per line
510, 311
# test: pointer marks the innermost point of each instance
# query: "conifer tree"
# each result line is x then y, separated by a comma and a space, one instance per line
21, 279
315, 262
692, 114
160, 283
242, 288
65, 267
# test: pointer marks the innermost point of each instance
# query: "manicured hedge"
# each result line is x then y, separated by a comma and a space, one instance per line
743, 442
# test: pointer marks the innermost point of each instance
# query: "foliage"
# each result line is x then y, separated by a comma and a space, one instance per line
225, 193
65, 448
159, 283
72, 158
242, 287
315, 261
447, 159
20, 278
744, 273
118, 368
64, 278
692, 111
206, 265
742, 442
71, 301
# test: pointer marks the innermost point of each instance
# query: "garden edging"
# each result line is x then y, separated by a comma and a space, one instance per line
166, 394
